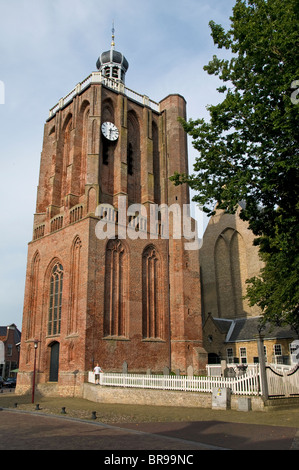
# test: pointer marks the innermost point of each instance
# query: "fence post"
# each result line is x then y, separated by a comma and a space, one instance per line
286, 383
263, 375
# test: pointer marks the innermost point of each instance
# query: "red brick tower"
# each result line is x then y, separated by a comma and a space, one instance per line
125, 298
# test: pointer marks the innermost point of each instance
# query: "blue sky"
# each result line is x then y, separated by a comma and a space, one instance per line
46, 48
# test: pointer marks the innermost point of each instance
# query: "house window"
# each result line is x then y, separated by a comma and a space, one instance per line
9, 349
277, 350
243, 355
230, 355
56, 283
294, 348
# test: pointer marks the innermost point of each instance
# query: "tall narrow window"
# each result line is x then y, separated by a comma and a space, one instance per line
116, 301
156, 164
133, 159
105, 152
107, 148
243, 355
67, 156
151, 298
231, 274
56, 283
84, 151
230, 355
130, 159
75, 286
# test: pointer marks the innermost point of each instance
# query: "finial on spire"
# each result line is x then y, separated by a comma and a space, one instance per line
112, 42
112, 63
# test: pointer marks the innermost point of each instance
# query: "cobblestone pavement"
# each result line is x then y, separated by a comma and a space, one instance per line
30, 431
23, 430
128, 428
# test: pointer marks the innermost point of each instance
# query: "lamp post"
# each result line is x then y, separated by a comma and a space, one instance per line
34, 369
262, 363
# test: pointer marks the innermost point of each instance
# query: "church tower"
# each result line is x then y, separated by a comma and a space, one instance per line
134, 294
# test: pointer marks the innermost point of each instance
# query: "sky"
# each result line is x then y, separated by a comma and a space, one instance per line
46, 48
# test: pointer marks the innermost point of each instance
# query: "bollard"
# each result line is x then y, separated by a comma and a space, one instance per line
93, 415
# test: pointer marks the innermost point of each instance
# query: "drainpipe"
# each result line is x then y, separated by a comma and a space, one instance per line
169, 314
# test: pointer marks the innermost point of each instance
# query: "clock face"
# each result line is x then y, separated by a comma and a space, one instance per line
110, 131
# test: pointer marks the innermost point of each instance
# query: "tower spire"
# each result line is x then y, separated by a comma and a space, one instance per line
112, 63
113, 31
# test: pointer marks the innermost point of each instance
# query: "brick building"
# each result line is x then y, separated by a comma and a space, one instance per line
10, 338
131, 297
228, 258
235, 341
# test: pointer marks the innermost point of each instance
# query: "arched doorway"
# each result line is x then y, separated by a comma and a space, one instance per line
54, 362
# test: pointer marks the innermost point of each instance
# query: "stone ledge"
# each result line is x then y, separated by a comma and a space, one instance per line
137, 396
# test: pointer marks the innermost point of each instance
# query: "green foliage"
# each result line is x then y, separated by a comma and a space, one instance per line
248, 151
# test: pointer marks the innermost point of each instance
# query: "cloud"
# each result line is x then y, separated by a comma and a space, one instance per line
46, 48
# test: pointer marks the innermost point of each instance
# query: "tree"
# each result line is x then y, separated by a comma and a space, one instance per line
249, 147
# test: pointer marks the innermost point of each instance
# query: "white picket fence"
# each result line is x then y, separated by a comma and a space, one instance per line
283, 383
247, 384
215, 370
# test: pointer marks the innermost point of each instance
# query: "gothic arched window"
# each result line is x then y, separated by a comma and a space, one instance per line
156, 164
56, 284
84, 150
107, 149
67, 155
230, 273
152, 324
116, 301
74, 298
133, 159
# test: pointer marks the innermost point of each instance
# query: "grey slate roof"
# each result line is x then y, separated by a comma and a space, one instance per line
223, 324
246, 329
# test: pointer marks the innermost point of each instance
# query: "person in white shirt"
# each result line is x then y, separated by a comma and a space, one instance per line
97, 370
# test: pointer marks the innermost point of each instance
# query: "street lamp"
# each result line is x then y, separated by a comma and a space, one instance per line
262, 364
34, 369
